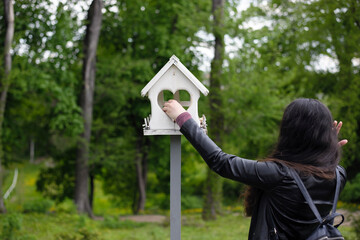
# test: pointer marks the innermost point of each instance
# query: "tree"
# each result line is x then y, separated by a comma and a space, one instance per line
5, 81
213, 183
342, 20
312, 31
87, 96
43, 96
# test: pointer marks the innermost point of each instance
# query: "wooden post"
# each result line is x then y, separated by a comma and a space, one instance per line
175, 187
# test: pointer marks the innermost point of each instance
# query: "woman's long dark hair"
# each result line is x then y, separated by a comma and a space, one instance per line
307, 142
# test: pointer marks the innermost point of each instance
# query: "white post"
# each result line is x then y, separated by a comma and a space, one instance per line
175, 187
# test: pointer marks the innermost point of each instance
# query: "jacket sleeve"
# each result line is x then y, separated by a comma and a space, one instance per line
263, 175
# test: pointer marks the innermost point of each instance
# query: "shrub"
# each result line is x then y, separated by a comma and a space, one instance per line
88, 235
351, 191
27, 237
191, 202
114, 223
81, 222
66, 236
356, 225
111, 222
12, 222
81, 234
37, 206
67, 206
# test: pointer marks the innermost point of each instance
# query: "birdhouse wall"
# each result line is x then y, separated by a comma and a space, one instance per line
173, 80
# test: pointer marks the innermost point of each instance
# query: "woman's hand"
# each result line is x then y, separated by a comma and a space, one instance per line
173, 109
338, 127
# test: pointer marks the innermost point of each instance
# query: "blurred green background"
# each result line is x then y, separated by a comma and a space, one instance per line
268, 53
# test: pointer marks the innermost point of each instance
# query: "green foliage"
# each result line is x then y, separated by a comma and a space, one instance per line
66, 236
279, 61
12, 223
111, 222
352, 191
67, 206
88, 235
127, 60
57, 182
191, 202
356, 225
42, 100
44, 107
81, 234
27, 237
61, 227
114, 223
272, 63
231, 225
37, 206
81, 222
233, 192
254, 106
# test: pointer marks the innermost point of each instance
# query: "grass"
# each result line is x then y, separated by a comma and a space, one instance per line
25, 189
52, 226
62, 222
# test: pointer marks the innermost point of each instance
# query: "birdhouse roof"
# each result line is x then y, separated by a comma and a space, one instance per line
175, 61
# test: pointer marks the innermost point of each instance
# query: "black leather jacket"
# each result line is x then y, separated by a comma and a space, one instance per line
281, 202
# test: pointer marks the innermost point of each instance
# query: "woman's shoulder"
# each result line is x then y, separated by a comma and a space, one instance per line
273, 168
281, 167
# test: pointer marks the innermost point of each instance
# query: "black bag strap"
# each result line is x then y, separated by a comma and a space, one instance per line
309, 199
337, 191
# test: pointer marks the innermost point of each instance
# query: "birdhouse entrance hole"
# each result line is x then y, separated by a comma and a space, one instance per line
181, 96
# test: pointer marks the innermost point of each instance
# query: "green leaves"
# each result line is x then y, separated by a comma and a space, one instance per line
274, 59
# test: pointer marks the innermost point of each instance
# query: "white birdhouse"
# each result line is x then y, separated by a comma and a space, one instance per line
175, 78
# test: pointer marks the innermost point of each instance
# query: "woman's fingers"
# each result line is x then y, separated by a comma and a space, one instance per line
173, 108
343, 142
338, 127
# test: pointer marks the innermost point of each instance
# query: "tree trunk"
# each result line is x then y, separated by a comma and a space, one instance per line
92, 188
4, 85
82, 169
32, 150
213, 184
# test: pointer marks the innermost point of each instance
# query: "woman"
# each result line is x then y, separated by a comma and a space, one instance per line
307, 142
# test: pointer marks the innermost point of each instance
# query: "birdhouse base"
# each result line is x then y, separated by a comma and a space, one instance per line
148, 132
